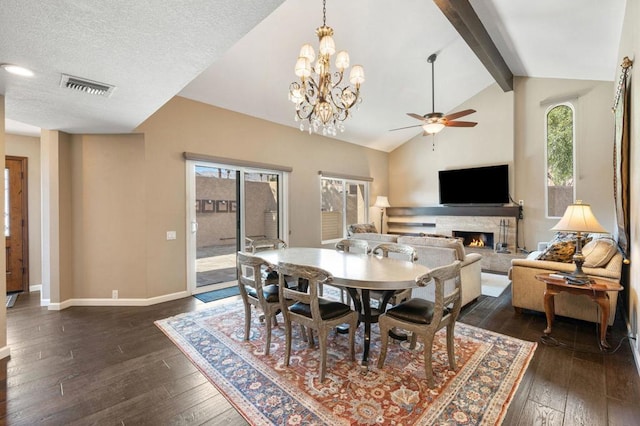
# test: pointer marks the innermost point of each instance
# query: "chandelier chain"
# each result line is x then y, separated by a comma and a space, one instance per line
324, 13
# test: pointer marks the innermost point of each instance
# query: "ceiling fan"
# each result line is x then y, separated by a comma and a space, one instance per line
433, 122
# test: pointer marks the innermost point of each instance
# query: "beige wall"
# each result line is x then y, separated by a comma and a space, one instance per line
511, 130
630, 46
184, 125
594, 149
120, 194
414, 166
4, 351
107, 205
29, 146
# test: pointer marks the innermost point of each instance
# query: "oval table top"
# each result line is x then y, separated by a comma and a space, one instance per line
353, 270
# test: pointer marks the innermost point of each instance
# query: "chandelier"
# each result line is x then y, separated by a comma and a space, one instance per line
319, 98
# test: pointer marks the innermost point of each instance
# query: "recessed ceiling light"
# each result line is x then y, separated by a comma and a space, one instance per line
17, 70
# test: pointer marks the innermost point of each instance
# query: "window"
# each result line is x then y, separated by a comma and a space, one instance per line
344, 202
560, 164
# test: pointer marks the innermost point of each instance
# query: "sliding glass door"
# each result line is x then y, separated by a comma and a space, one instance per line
228, 205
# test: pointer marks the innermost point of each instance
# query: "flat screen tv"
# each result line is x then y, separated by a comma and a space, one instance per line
475, 186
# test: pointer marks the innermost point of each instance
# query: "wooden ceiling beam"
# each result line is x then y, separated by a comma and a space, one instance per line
465, 20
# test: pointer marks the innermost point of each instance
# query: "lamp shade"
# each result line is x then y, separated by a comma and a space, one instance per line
382, 202
433, 127
579, 218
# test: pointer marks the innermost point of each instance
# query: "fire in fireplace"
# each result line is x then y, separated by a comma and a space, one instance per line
475, 239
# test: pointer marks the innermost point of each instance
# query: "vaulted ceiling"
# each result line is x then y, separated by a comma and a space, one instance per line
239, 55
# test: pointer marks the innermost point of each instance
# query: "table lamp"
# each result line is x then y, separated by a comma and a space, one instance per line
579, 218
382, 203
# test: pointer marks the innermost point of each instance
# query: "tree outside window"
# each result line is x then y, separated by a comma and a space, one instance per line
560, 159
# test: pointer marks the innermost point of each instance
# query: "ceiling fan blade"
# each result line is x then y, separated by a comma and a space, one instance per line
416, 116
459, 114
408, 127
460, 124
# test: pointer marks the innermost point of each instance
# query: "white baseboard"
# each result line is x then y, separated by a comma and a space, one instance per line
5, 352
115, 302
35, 287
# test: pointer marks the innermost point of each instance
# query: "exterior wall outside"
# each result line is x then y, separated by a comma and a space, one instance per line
219, 228
29, 146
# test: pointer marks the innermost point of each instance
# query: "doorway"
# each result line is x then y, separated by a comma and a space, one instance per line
228, 206
16, 224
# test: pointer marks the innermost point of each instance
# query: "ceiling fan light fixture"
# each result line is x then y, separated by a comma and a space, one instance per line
433, 128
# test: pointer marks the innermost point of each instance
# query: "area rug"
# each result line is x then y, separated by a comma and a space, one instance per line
222, 293
265, 392
493, 284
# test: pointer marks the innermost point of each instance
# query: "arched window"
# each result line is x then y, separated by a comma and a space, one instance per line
560, 164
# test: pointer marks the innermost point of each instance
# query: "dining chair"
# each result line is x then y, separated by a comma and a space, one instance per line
349, 246
403, 251
255, 292
424, 318
260, 244
313, 312
256, 245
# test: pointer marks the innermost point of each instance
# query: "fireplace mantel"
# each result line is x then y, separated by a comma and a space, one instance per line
445, 220
506, 211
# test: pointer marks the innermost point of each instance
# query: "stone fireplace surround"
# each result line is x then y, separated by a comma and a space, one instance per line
444, 220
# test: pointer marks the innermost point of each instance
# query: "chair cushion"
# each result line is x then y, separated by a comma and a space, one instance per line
417, 311
270, 293
328, 309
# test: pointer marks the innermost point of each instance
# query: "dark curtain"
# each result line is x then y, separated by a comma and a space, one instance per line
621, 170
621, 166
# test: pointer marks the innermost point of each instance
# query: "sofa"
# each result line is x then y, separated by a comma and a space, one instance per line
602, 260
434, 251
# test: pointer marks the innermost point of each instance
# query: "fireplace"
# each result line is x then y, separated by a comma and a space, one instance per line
475, 239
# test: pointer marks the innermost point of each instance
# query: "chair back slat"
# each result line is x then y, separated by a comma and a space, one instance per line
403, 249
353, 246
262, 244
440, 276
250, 273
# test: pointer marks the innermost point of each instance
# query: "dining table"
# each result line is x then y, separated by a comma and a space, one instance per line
359, 274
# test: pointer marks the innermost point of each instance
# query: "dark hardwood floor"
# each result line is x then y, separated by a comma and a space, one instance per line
112, 365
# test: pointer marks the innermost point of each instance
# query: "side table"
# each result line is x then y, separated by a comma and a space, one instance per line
597, 291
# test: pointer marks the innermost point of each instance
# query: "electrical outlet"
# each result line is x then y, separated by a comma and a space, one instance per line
114, 294
521, 202
171, 235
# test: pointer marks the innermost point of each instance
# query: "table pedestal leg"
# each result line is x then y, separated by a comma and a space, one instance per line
366, 310
549, 309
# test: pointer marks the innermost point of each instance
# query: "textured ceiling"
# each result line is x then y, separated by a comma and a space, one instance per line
239, 55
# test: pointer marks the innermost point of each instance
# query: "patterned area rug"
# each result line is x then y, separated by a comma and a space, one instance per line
490, 367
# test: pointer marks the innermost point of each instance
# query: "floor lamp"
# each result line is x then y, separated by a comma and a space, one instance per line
382, 203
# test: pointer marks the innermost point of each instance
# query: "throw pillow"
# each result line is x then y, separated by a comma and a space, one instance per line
358, 228
599, 252
561, 248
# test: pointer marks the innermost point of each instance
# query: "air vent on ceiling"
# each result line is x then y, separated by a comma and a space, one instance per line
87, 86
